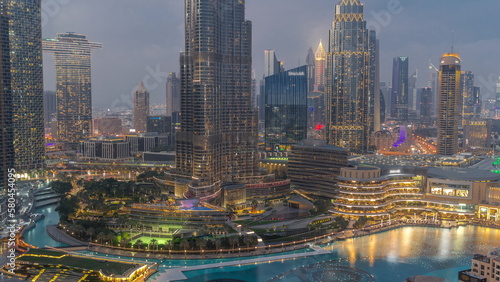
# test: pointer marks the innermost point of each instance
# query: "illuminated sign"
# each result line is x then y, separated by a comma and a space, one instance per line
301, 73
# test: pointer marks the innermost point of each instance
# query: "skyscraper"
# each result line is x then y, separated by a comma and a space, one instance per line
141, 108
426, 104
271, 64
217, 141
173, 94
285, 95
25, 43
350, 71
311, 73
6, 134
73, 53
319, 68
449, 82
399, 97
467, 94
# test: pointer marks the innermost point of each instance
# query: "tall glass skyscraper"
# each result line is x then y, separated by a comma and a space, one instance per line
217, 141
6, 133
399, 98
351, 70
72, 54
173, 94
141, 108
319, 68
25, 43
285, 97
448, 117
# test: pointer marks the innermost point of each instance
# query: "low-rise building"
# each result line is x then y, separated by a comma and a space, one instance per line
484, 268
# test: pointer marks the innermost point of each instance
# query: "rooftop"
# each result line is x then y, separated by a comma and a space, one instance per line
465, 174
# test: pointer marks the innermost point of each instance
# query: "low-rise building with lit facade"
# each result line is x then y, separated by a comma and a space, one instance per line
373, 191
367, 191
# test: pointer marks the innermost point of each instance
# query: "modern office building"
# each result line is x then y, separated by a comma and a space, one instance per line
311, 73
217, 141
271, 65
25, 43
426, 104
173, 94
449, 104
477, 133
468, 100
6, 130
105, 148
141, 108
145, 142
73, 53
285, 95
319, 68
350, 71
399, 98
159, 124
49, 106
313, 166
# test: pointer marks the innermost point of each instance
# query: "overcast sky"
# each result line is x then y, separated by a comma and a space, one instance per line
142, 38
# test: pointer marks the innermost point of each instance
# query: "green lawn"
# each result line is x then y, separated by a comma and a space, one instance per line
147, 240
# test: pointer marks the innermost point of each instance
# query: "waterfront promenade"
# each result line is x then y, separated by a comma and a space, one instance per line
175, 274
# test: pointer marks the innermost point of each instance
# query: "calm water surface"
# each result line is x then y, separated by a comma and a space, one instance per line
391, 256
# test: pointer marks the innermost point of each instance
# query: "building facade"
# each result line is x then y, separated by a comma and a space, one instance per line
400, 95
449, 97
319, 68
72, 53
365, 191
108, 149
25, 43
6, 130
485, 268
426, 104
313, 166
173, 94
349, 79
217, 140
285, 95
141, 108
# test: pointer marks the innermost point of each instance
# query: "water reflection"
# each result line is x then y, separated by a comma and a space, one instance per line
38, 236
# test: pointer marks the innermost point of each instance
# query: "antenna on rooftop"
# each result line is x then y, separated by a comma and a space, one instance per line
452, 41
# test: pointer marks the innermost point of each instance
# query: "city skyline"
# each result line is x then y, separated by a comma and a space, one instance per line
134, 52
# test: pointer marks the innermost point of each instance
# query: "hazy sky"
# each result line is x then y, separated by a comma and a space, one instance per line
142, 38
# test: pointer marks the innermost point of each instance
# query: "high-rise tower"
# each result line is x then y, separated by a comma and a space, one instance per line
25, 43
72, 54
6, 133
173, 94
400, 94
141, 108
349, 78
217, 141
319, 68
449, 82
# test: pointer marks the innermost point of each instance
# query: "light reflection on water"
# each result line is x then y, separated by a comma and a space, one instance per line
401, 252
391, 256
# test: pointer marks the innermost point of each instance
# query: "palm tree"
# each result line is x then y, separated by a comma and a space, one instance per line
201, 243
101, 236
185, 244
153, 243
138, 244
234, 240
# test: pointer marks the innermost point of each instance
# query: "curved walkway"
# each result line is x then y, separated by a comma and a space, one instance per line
62, 237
